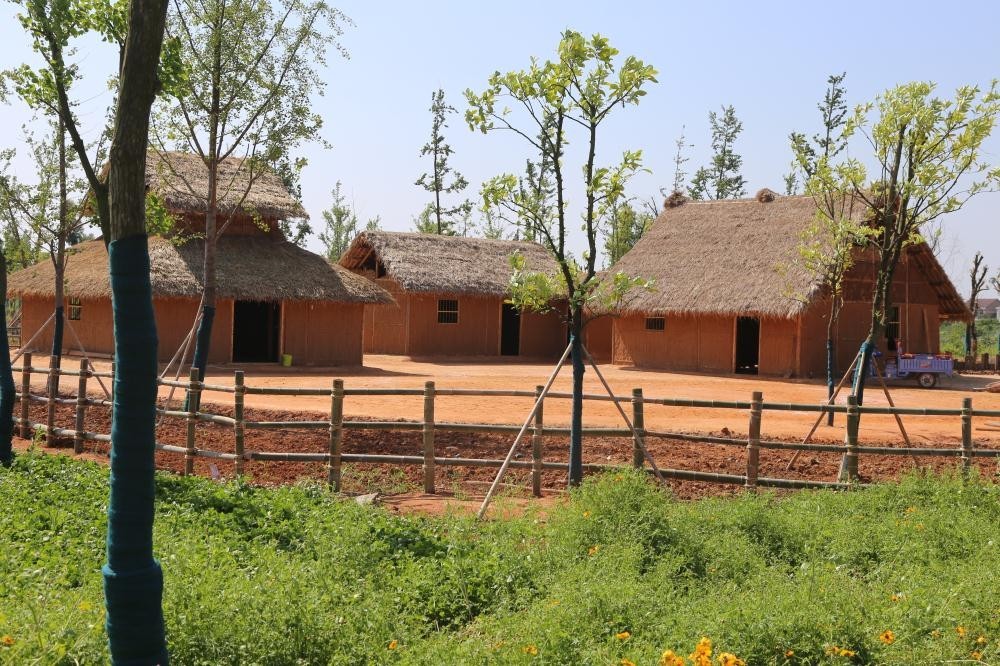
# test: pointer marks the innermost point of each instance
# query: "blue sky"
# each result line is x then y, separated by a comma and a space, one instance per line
769, 60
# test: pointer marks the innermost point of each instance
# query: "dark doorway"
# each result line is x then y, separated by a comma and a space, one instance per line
256, 329
747, 345
510, 330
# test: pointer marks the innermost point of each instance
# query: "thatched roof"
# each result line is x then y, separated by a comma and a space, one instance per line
181, 179
737, 257
252, 268
430, 263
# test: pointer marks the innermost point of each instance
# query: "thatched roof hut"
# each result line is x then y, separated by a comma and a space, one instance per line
181, 180
250, 268
740, 257
431, 263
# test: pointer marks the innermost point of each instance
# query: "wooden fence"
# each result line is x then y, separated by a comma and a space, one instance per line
335, 426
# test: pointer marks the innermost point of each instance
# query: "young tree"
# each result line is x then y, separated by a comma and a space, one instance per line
575, 92
680, 175
341, 225
927, 152
721, 179
627, 225
251, 71
436, 181
828, 144
977, 284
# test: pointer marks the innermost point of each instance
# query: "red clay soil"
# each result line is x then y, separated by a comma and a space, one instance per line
463, 482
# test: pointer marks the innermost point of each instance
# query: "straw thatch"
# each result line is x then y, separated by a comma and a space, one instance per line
251, 268
430, 263
737, 257
181, 180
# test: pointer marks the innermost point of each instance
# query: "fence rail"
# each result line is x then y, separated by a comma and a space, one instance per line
336, 426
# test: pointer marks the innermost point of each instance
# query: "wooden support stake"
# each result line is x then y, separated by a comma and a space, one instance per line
849, 464
239, 398
966, 435
638, 429
753, 440
429, 438
192, 420
52, 392
899, 421
536, 446
26, 396
819, 419
81, 405
337, 435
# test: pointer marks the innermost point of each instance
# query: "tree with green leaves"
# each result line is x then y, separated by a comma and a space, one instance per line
340, 222
8, 392
977, 285
557, 99
680, 175
250, 72
626, 227
436, 181
721, 179
927, 152
829, 143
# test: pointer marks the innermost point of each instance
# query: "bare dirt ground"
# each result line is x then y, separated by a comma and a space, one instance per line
464, 484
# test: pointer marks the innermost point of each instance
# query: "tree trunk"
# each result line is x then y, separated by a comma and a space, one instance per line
576, 417
133, 580
58, 326
829, 378
7, 389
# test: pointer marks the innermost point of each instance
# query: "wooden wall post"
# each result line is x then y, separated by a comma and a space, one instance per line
639, 429
53, 393
429, 438
849, 464
336, 434
194, 404
986, 361
536, 447
966, 435
81, 405
239, 398
753, 440
26, 395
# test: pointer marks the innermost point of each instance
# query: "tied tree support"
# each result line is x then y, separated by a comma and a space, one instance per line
133, 580
830, 388
576, 422
203, 341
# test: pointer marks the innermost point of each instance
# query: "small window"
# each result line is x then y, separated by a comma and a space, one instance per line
447, 311
75, 309
655, 323
892, 328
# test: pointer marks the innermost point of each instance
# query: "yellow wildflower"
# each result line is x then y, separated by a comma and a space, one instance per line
497, 645
7, 640
911, 509
789, 653
593, 550
530, 649
668, 658
936, 633
976, 654
393, 644
84, 606
586, 514
981, 640
887, 637
623, 635
730, 659
894, 597
844, 652
626, 662
702, 655
960, 630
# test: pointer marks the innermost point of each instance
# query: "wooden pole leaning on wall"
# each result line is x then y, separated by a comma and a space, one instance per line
429, 438
81, 405
52, 392
239, 432
333, 469
849, 464
966, 436
192, 420
26, 395
537, 436
753, 440
638, 429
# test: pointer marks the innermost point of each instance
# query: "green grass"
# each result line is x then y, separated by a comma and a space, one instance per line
297, 576
953, 337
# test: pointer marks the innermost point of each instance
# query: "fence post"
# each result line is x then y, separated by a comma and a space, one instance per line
26, 395
239, 397
53, 393
81, 405
966, 435
536, 447
194, 404
429, 438
639, 429
336, 434
753, 440
849, 463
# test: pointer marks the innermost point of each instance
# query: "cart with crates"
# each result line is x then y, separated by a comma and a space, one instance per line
926, 368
